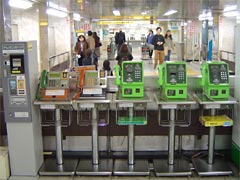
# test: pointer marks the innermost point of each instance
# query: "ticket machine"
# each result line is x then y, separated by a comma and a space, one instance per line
132, 79
173, 79
215, 79
20, 76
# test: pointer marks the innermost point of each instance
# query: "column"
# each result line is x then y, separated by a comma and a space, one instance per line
43, 33
204, 39
5, 23
236, 125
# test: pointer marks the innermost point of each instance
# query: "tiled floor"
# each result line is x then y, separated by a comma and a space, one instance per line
193, 67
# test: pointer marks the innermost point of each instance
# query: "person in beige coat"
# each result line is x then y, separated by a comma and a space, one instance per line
91, 44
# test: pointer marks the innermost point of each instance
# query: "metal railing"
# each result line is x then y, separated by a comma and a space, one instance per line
60, 61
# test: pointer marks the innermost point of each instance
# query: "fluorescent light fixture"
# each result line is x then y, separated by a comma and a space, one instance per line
206, 15
169, 12
230, 14
76, 17
116, 12
230, 8
55, 12
230, 11
22, 4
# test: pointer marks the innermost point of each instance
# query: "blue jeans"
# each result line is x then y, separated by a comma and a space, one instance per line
167, 58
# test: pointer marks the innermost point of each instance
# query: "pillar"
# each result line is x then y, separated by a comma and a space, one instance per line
236, 125
43, 30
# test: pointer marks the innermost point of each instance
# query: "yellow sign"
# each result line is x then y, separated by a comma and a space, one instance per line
43, 23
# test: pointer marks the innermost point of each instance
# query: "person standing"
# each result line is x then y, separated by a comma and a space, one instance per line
80, 48
123, 54
91, 44
169, 45
149, 42
120, 38
158, 42
98, 44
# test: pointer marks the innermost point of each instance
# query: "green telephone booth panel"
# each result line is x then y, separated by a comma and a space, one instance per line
132, 79
173, 79
215, 79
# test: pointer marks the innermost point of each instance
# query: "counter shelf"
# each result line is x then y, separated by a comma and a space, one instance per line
58, 166
209, 165
172, 166
131, 118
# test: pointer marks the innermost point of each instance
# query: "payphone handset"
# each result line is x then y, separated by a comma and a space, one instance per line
173, 79
53, 86
160, 74
215, 79
117, 72
131, 81
90, 82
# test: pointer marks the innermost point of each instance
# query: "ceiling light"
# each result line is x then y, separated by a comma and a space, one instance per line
230, 11
169, 12
206, 15
230, 8
230, 14
55, 12
22, 4
76, 17
116, 12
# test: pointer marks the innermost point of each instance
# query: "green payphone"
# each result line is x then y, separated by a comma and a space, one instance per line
215, 79
132, 79
173, 79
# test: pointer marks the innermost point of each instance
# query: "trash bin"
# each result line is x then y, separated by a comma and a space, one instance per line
145, 51
111, 51
180, 51
4, 164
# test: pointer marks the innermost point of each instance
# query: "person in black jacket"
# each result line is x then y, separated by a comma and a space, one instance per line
120, 38
158, 42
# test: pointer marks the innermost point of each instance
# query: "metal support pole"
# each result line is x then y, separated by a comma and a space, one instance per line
131, 139
58, 130
211, 140
95, 157
171, 137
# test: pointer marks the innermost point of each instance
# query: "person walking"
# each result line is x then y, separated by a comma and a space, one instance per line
80, 48
158, 42
149, 42
120, 38
98, 44
91, 44
168, 46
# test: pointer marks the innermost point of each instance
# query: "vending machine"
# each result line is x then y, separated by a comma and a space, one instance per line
173, 79
19, 81
131, 81
215, 79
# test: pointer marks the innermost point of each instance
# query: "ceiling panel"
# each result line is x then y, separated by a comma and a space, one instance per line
102, 9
